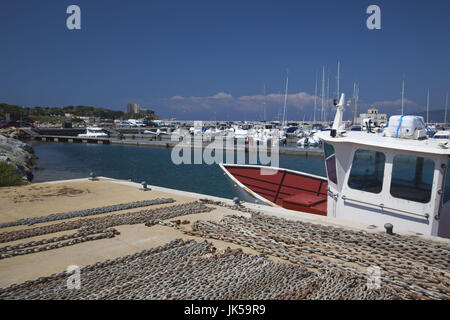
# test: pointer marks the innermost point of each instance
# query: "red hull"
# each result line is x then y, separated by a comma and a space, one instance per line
288, 189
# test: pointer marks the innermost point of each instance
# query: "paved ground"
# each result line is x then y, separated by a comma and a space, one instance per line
43, 199
413, 267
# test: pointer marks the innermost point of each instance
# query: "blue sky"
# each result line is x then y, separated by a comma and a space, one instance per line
210, 59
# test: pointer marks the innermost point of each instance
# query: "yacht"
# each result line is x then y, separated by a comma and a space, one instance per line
442, 135
156, 132
309, 141
93, 132
397, 176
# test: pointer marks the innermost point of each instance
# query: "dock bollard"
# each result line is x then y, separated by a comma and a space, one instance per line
389, 227
144, 186
92, 176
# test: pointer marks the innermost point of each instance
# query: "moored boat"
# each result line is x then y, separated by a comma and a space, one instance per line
397, 176
94, 132
279, 187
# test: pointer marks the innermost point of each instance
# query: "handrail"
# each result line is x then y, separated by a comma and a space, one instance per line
382, 206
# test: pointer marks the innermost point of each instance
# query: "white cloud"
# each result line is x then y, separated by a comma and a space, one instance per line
177, 98
222, 95
224, 106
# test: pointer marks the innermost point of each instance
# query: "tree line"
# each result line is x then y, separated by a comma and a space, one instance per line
36, 113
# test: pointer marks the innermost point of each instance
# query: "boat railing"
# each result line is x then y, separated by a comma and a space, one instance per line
382, 207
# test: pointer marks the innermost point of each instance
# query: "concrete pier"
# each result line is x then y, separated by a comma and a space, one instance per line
254, 229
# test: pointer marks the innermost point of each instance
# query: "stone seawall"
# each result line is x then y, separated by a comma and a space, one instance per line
17, 153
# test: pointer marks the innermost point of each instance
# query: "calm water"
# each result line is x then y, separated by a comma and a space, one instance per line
69, 161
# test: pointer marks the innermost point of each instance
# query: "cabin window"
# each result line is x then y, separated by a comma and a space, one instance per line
330, 161
412, 178
367, 171
447, 184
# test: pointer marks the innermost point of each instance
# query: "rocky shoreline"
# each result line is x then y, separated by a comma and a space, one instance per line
17, 153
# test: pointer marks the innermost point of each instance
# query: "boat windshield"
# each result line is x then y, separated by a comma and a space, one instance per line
412, 178
367, 171
330, 162
447, 184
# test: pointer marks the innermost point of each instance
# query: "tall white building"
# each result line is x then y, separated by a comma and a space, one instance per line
133, 108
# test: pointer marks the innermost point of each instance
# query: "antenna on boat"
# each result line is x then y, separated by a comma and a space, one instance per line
339, 115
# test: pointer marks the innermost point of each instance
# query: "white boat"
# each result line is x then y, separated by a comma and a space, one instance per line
372, 178
157, 132
213, 132
195, 131
442, 135
312, 140
94, 132
260, 136
237, 132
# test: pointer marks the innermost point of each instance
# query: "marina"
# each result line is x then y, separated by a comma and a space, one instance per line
283, 231
225, 154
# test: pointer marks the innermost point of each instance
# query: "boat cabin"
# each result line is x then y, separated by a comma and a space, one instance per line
376, 179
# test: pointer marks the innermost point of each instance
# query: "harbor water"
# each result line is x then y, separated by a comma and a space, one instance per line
61, 161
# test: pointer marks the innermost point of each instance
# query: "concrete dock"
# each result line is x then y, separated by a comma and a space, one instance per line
44, 199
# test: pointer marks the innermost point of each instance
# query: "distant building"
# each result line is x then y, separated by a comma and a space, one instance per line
133, 108
378, 119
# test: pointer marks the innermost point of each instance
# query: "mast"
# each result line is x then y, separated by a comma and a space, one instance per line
338, 79
323, 92
403, 93
356, 100
265, 103
315, 100
285, 99
328, 96
445, 117
428, 103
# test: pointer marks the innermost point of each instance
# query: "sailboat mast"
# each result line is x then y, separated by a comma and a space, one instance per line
445, 118
428, 103
265, 102
356, 100
323, 92
328, 97
338, 79
315, 99
403, 93
285, 99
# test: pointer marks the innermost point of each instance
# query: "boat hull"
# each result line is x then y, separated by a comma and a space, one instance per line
279, 187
